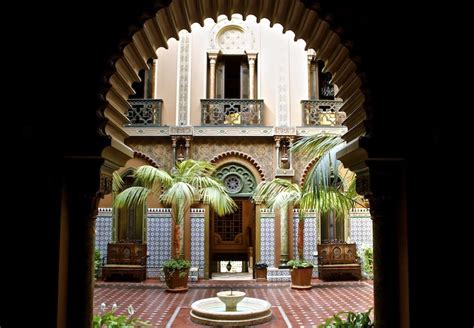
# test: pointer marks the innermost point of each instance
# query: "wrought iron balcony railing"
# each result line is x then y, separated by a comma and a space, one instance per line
322, 112
232, 112
145, 111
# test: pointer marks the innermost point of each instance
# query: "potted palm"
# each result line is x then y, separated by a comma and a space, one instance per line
301, 273
189, 182
322, 191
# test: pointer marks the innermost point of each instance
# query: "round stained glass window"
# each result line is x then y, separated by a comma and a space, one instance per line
233, 183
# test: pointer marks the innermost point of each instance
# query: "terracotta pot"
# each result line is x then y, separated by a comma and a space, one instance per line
176, 281
301, 278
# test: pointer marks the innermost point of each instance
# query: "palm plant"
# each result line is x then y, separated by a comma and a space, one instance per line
191, 181
280, 194
327, 187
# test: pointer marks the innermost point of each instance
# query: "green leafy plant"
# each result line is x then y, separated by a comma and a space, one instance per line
110, 320
97, 262
369, 261
177, 264
188, 183
299, 263
351, 320
328, 187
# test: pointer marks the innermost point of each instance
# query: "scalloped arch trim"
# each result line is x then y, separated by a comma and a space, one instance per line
148, 159
306, 170
239, 154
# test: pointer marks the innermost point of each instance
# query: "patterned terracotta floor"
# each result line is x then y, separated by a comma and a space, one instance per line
291, 308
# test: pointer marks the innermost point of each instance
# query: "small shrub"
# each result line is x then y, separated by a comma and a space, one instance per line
351, 320
110, 320
369, 261
177, 264
97, 263
297, 263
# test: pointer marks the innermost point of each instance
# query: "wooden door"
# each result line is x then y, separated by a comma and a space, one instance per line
232, 234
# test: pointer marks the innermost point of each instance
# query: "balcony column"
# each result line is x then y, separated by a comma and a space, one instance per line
154, 80
187, 144
315, 75
252, 56
212, 73
277, 149
173, 145
290, 155
311, 81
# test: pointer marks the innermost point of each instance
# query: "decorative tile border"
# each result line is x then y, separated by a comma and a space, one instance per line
308, 131
311, 226
103, 230
240, 131
152, 131
197, 239
361, 231
159, 237
275, 274
267, 240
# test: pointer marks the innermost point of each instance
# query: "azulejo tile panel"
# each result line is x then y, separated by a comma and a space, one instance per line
311, 227
361, 232
295, 236
103, 230
197, 240
159, 237
267, 240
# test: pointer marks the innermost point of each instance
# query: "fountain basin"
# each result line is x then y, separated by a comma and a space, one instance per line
230, 299
250, 311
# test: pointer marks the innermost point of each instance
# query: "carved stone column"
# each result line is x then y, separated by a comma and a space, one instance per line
284, 165
312, 72
284, 235
277, 150
154, 68
83, 196
258, 231
382, 184
212, 73
252, 56
315, 77
290, 154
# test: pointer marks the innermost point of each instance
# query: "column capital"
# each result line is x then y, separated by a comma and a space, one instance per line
251, 54
213, 53
311, 55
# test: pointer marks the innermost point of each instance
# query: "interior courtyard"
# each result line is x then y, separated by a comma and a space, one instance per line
314, 48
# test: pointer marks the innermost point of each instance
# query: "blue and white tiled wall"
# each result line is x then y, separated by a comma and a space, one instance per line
311, 226
197, 239
361, 228
267, 237
103, 230
159, 239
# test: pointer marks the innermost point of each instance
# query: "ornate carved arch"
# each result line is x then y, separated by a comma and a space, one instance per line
342, 172
165, 23
146, 158
242, 158
306, 170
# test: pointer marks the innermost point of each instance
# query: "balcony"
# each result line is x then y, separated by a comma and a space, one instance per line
322, 112
235, 112
145, 112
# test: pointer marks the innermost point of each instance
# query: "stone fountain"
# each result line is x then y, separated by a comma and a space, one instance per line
231, 309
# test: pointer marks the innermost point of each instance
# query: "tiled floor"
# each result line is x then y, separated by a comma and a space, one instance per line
294, 308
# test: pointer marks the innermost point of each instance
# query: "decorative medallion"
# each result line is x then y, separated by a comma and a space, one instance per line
237, 179
233, 183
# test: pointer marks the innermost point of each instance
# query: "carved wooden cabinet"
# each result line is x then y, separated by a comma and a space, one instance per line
338, 261
125, 261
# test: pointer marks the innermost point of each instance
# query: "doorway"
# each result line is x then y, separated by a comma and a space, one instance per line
231, 248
